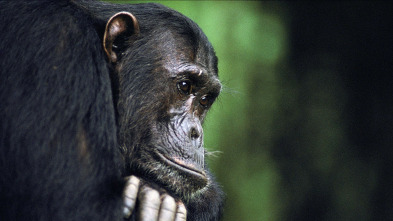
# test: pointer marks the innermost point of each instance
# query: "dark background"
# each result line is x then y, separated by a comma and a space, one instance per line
305, 121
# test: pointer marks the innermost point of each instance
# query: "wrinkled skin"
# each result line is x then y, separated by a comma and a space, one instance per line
155, 205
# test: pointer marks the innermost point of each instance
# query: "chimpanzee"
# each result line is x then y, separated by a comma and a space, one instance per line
101, 112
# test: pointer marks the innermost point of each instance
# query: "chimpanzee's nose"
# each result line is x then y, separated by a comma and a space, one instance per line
194, 133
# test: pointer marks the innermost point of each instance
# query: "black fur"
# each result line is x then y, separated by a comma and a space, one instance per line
59, 158
59, 113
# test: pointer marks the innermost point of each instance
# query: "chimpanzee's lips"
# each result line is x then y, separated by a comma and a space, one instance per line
181, 165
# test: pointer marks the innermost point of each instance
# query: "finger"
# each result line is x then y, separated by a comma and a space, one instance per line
130, 195
168, 209
181, 214
149, 204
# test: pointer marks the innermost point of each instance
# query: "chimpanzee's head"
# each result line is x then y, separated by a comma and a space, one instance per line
165, 80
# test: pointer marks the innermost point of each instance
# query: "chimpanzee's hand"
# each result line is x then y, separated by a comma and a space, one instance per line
153, 204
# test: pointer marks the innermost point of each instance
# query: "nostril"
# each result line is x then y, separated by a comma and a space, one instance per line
194, 134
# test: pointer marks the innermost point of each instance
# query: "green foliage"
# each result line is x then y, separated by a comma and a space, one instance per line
300, 138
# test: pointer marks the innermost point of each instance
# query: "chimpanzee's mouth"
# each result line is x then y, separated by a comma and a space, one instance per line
181, 165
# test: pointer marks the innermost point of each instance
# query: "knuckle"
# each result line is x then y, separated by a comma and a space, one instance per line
168, 203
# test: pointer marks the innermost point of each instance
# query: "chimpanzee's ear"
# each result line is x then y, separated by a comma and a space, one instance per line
119, 28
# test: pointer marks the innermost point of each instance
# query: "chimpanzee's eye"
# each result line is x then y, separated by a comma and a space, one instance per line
185, 87
205, 101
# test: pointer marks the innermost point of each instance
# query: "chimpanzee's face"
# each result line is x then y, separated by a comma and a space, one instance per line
185, 86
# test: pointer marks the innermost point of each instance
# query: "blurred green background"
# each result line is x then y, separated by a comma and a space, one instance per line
304, 125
